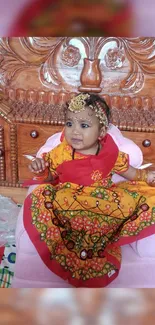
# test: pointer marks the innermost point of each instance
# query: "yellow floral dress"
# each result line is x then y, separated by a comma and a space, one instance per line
78, 229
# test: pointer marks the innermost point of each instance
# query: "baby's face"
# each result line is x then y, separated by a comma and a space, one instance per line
82, 129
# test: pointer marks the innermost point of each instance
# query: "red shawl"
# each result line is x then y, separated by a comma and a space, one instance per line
79, 171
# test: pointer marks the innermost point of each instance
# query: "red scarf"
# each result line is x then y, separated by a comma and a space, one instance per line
79, 171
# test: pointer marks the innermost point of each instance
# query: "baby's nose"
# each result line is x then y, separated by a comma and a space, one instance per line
76, 130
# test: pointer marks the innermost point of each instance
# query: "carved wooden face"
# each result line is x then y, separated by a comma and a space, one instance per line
82, 130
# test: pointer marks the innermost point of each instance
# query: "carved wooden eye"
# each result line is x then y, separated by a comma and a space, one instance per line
34, 134
146, 143
1, 153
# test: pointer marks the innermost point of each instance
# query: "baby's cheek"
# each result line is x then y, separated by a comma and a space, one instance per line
87, 137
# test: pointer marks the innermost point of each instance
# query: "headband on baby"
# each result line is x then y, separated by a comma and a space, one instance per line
78, 103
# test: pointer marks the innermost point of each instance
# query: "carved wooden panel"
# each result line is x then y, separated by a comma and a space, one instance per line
13, 153
146, 142
111, 65
39, 74
5, 173
128, 113
2, 154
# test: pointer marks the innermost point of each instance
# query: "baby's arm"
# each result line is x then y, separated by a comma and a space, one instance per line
147, 176
41, 167
46, 167
129, 174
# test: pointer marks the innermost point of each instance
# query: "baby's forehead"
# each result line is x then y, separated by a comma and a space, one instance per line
86, 114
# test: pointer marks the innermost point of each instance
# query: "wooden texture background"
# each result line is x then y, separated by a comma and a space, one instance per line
38, 75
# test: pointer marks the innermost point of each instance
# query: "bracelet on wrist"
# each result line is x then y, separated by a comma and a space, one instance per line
141, 175
42, 175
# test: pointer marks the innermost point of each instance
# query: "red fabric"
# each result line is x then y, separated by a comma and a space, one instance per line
35, 182
80, 169
118, 15
28, 14
104, 162
1, 252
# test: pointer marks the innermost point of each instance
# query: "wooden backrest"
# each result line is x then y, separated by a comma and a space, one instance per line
39, 74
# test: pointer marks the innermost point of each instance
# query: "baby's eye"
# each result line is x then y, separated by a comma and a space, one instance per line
69, 124
84, 125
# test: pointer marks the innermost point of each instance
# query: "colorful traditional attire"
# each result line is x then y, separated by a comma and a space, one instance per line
79, 224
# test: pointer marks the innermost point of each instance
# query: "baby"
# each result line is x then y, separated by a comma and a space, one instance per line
78, 218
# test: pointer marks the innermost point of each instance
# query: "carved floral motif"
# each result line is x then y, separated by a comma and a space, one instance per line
10, 62
114, 58
71, 56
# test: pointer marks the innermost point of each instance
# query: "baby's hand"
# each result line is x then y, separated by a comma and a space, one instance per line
38, 165
151, 178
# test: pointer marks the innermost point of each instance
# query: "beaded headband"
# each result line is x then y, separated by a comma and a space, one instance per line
78, 104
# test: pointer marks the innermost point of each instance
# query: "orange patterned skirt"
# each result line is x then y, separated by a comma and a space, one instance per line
78, 230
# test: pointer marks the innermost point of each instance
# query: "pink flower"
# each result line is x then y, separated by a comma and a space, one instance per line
96, 175
145, 216
44, 217
73, 261
60, 248
53, 233
131, 226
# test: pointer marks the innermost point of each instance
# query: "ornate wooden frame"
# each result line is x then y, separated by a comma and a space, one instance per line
39, 74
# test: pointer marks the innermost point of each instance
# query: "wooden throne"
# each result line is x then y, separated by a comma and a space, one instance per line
38, 75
